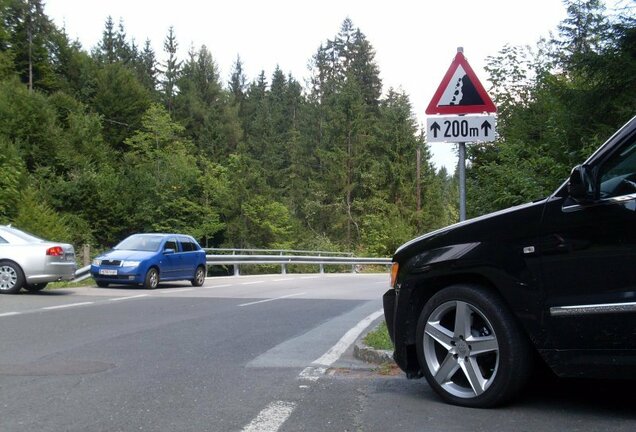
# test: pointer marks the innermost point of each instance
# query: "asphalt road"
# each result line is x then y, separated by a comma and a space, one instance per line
242, 354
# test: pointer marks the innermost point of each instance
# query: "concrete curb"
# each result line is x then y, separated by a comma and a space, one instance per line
362, 351
371, 355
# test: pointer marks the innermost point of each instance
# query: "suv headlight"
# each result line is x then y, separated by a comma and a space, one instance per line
394, 272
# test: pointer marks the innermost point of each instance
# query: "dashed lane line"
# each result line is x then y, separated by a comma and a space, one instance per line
271, 299
128, 298
178, 290
271, 418
217, 286
70, 305
276, 413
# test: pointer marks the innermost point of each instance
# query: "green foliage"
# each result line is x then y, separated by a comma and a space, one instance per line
269, 224
121, 101
28, 121
30, 36
96, 146
37, 217
559, 106
382, 228
12, 178
379, 338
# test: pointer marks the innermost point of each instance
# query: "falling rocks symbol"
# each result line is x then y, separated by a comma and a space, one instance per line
465, 93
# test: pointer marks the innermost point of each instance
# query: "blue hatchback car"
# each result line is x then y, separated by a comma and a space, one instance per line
146, 259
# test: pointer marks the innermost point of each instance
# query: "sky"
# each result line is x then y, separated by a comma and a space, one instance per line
415, 41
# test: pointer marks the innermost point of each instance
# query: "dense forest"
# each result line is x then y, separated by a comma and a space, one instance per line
95, 145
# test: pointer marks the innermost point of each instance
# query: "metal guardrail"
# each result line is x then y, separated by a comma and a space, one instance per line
283, 260
82, 273
279, 251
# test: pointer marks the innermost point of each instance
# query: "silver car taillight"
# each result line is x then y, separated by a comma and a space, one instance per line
55, 251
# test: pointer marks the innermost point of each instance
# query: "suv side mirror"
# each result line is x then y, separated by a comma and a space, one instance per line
581, 186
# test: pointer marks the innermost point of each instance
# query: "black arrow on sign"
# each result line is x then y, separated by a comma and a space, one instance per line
435, 128
486, 126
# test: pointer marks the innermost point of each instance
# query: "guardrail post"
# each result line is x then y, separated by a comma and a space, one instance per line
322, 266
237, 272
86, 254
283, 267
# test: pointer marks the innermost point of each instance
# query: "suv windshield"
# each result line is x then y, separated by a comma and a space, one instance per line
140, 242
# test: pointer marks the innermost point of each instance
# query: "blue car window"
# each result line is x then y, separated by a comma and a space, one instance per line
143, 242
3, 240
187, 245
171, 244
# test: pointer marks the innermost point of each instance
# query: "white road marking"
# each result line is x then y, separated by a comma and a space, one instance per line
128, 298
312, 373
271, 418
217, 286
9, 314
275, 414
282, 280
319, 366
67, 305
309, 277
252, 283
169, 291
271, 299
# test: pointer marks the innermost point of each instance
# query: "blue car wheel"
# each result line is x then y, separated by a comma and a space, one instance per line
152, 279
199, 277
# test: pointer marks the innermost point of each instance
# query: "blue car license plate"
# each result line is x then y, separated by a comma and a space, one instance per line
108, 272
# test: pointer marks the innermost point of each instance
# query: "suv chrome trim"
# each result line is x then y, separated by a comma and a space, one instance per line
593, 309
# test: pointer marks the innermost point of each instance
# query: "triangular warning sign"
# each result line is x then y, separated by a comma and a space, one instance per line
460, 92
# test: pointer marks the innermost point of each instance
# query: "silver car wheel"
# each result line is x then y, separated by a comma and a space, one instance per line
199, 277
152, 279
8, 278
461, 349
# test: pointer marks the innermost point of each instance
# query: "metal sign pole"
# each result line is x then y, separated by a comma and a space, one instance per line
461, 93
462, 181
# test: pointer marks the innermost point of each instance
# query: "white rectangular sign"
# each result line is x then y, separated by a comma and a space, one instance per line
456, 128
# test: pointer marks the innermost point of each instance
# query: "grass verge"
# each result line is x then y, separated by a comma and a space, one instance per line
379, 338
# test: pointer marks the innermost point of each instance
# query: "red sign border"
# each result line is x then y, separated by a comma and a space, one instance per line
488, 106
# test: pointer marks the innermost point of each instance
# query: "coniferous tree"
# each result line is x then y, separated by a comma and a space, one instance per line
122, 51
171, 70
583, 31
237, 83
146, 67
105, 50
121, 100
31, 33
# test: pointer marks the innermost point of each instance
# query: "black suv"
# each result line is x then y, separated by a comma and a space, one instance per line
471, 304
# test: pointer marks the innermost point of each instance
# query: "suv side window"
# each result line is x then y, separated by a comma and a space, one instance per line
3, 240
618, 174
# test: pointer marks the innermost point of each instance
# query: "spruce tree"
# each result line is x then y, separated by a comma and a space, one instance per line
172, 68
105, 52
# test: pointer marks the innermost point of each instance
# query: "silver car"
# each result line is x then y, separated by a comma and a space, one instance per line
30, 262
